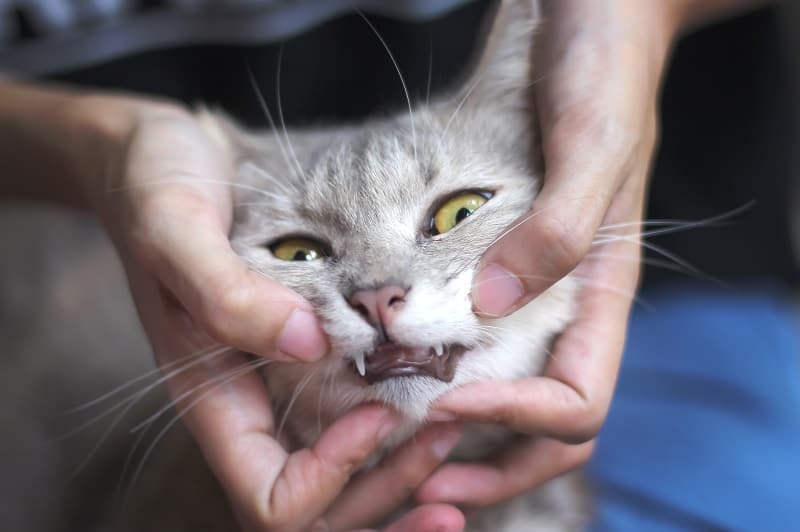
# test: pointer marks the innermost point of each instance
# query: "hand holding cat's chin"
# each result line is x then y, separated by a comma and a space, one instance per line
597, 105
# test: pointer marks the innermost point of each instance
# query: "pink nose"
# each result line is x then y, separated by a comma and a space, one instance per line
379, 306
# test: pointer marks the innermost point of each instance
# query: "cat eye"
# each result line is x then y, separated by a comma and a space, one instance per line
298, 249
456, 209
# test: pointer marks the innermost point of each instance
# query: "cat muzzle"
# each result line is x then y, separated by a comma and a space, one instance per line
390, 360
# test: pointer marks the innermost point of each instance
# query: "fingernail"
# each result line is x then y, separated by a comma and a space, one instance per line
443, 444
389, 423
302, 337
439, 416
495, 291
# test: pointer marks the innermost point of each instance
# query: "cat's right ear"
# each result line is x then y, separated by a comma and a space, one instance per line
502, 70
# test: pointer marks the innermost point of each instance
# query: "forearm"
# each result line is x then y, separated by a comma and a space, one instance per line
693, 13
57, 143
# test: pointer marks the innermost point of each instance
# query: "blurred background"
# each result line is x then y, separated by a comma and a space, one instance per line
708, 396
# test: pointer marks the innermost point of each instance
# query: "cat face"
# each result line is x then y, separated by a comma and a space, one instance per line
393, 216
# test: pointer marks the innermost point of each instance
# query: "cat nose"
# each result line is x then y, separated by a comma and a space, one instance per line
379, 306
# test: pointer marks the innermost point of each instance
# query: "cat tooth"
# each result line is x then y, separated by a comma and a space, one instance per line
359, 360
439, 350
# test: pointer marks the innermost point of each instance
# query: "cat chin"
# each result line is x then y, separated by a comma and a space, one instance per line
412, 397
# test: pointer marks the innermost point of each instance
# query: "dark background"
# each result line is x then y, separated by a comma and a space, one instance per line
728, 114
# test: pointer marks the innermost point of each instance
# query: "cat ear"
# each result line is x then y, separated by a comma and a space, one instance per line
225, 133
503, 70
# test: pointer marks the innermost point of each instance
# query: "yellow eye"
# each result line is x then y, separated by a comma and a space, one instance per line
455, 210
298, 249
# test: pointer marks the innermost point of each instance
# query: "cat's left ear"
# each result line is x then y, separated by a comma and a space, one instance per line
503, 71
224, 132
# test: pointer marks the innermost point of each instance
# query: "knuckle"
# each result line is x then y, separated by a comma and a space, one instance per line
341, 467
226, 301
585, 423
566, 245
140, 233
598, 136
584, 453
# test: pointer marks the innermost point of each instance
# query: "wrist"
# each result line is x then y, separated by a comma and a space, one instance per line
103, 126
690, 14
61, 145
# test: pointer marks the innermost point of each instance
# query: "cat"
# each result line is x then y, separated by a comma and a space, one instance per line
381, 226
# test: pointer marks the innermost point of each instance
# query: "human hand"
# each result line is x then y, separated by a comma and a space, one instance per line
165, 200
600, 65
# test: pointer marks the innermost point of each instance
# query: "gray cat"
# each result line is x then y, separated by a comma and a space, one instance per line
381, 227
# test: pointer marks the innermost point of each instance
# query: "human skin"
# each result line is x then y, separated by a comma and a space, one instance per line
604, 61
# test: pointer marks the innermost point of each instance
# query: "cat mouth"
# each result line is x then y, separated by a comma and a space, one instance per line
390, 360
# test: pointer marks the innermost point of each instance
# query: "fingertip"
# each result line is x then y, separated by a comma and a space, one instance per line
495, 291
458, 483
302, 336
447, 438
431, 518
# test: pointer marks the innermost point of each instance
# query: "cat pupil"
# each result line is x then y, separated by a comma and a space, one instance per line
462, 213
300, 255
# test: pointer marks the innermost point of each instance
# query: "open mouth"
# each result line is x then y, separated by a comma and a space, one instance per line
391, 360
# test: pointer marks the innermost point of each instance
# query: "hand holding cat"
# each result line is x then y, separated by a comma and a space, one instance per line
602, 65
169, 215
160, 186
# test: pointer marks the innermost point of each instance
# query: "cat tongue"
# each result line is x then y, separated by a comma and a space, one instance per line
396, 360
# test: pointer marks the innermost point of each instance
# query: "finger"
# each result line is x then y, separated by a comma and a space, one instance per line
219, 393
571, 399
430, 518
189, 251
376, 494
547, 243
292, 494
221, 397
592, 145
174, 216
514, 470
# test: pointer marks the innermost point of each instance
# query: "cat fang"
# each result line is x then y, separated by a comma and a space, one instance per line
391, 360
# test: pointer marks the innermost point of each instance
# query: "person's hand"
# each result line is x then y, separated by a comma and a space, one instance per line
167, 204
599, 65
160, 185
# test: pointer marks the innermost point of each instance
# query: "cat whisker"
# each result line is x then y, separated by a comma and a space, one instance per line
280, 113
133, 399
190, 180
325, 391
129, 457
142, 377
402, 80
264, 174
215, 383
527, 218
461, 103
585, 282
627, 294
655, 249
657, 263
129, 402
536, 81
644, 223
298, 390
430, 69
262, 102
173, 403
673, 226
